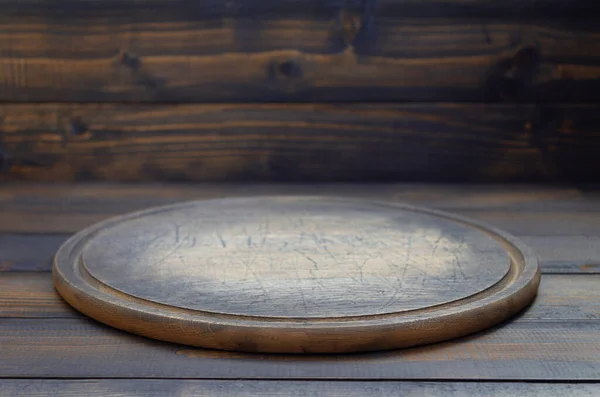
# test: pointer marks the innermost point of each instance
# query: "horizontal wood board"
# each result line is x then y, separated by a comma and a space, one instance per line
558, 254
560, 297
551, 9
524, 224
559, 223
298, 50
115, 198
520, 350
235, 388
554, 340
300, 142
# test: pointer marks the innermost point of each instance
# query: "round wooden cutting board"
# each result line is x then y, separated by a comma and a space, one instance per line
296, 274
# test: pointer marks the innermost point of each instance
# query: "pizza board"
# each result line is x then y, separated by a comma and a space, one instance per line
296, 274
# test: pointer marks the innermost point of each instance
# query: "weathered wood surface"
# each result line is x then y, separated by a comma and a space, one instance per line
558, 254
28, 252
70, 207
556, 339
238, 388
43, 216
112, 199
308, 50
185, 10
550, 224
296, 275
31, 295
262, 257
521, 350
560, 297
300, 142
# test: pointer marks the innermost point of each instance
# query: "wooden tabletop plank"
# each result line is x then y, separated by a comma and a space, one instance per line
29, 252
524, 224
432, 142
239, 388
31, 295
69, 208
558, 254
520, 350
114, 198
557, 223
560, 297
560, 224
566, 254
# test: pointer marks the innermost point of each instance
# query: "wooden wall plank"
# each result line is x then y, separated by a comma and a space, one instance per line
302, 50
560, 297
186, 10
238, 388
520, 350
301, 142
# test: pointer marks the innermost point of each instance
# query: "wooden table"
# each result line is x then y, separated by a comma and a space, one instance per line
553, 349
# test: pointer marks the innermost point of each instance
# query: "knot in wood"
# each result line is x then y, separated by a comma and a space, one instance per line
515, 74
130, 60
288, 69
77, 127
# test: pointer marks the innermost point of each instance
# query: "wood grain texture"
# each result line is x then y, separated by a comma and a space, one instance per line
31, 295
298, 51
566, 254
293, 257
560, 297
558, 223
238, 388
558, 254
301, 142
292, 274
184, 10
550, 224
40, 211
111, 199
28, 252
542, 350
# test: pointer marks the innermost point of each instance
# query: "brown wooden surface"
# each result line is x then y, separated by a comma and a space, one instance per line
293, 257
31, 295
556, 339
560, 297
545, 224
300, 142
305, 50
548, 349
43, 216
292, 274
558, 254
111, 199
236, 388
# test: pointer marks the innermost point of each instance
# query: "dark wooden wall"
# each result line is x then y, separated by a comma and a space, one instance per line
311, 90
